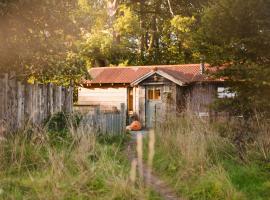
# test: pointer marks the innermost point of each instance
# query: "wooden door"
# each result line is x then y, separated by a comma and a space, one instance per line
153, 105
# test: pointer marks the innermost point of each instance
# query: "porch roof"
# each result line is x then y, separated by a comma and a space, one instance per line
186, 73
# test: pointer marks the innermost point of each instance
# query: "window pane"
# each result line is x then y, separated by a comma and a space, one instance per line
150, 94
225, 93
157, 95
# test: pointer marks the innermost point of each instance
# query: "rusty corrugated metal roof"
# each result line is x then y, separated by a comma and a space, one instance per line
188, 73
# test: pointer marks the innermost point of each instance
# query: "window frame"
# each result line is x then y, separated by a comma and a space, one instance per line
156, 94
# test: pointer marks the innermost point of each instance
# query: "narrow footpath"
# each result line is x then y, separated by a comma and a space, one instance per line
158, 185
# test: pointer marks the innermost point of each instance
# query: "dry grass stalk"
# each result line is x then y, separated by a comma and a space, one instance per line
151, 153
140, 153
190, 137
262, 140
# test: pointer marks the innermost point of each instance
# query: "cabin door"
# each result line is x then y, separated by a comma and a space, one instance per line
153, 105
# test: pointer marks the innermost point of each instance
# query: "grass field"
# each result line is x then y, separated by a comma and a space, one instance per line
202, 161
62, 163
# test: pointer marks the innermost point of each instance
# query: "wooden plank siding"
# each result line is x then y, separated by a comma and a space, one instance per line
108, 97
199, 97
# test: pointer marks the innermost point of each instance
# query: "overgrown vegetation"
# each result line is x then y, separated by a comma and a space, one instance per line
207, 161
58, 41
76, 165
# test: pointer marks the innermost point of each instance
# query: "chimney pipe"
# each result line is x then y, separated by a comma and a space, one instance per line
202, 66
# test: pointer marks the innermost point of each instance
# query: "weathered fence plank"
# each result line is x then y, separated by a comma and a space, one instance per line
50, 99
102, 122
22, 103
20, 109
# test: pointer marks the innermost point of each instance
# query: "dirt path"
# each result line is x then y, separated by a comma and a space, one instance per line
158, 185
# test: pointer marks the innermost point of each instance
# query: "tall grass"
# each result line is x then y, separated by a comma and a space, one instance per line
77, 164
201, 159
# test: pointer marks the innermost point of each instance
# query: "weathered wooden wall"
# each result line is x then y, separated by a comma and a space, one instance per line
104, 122
199, 97
23, 103
106, 97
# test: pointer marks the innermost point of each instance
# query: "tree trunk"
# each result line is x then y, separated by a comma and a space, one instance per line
142, 26
153, 49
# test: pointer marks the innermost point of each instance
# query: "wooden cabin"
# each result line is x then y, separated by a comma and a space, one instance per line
151, 92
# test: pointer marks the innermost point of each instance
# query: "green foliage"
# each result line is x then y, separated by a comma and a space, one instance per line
252, 179
127, 23
236, 34
64, 39
34, 34
62, 122
183, 24
96, 48
216, 184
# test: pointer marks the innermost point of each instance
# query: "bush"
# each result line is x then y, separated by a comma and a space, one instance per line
63, 121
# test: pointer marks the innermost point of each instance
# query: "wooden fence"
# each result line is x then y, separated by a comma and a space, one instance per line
105, 122
22, 103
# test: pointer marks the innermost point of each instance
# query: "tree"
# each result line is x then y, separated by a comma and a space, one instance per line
235, 34
37, 38
158, 42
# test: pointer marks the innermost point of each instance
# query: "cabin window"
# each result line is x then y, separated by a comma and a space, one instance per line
130, 100
224, 92
154, 94
167, 89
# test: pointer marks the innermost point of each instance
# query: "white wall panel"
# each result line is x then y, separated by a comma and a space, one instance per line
102, 96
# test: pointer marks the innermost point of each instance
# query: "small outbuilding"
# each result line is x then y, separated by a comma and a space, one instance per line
152, 92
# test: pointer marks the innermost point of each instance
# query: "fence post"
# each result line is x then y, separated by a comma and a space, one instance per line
39, 104
97, 119
63, 98
123, 118
12, 105
71, 91
20, 110
68, 99
35, 103
5, 93
57, 96
3, 106
28, 102
1, 102
44, 102
50, 99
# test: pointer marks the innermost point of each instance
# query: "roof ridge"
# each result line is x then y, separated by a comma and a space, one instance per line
145, 66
